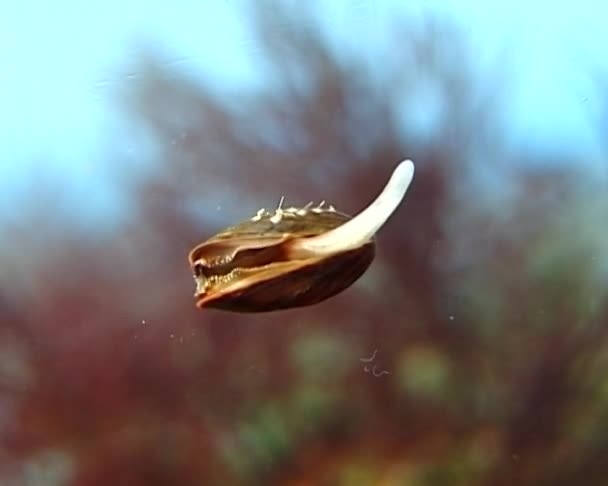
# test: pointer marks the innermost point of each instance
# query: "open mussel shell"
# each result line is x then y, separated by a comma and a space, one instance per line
291, 257
249, 267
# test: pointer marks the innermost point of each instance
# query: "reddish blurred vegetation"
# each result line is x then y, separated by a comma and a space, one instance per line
486, 302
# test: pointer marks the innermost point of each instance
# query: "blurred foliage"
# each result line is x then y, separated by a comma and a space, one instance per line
486, 304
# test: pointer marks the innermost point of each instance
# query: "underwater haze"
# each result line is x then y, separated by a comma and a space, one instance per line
473, 350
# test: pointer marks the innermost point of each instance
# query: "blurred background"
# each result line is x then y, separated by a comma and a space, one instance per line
134, 130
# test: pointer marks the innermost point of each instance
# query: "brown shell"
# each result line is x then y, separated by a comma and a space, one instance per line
248, 267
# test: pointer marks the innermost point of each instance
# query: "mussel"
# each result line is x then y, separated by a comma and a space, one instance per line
292, 257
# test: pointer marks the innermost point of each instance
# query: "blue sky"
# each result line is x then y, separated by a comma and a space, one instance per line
63, 61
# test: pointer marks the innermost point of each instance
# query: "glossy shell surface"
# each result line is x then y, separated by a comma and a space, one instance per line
251, 267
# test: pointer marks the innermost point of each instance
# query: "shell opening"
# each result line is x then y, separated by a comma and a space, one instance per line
248, 258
